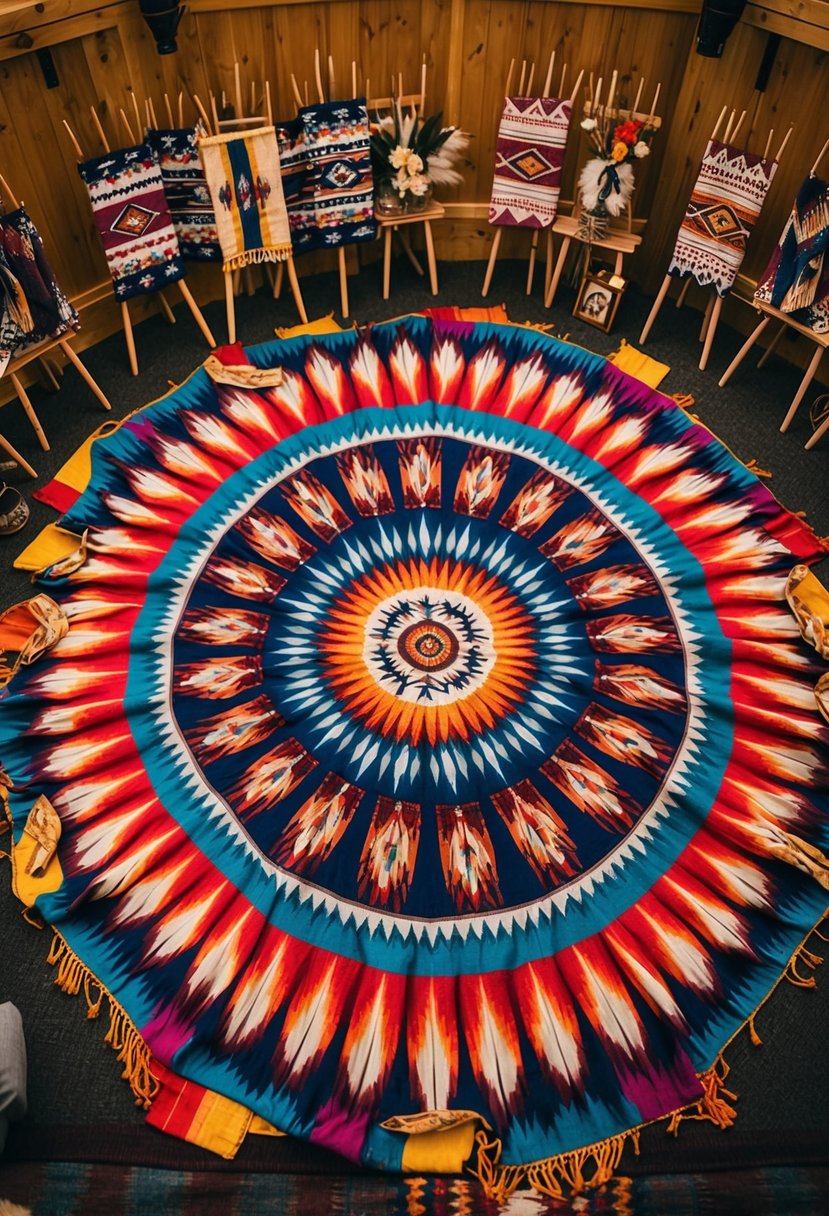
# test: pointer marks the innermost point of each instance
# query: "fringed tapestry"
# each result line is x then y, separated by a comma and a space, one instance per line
529, 155
186, 191
34, 306
245, 184
133, 220
434, 752
727, 198
796, 279
337, 206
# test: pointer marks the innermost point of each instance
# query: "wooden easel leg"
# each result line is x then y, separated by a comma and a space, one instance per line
30, 411
48, 373
198, 315
554, 281
277, 282
548, 261
166, 309
295, 292
768, 352
84, 374
804, 384
818, 435
15, 455
430, 257
128, 337
706, 318
230, 306
387, 233
742, 352
654, 312
680, 300
343, 281
531, 267
711, 330
490, 266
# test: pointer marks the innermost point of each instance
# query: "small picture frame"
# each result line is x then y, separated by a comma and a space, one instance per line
598, 299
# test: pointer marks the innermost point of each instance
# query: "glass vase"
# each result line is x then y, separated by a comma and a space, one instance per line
386, 199
417, 202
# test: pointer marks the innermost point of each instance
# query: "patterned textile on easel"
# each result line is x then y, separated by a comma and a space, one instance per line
188, 198
293, 164
796, 279
725, 203
245, 184
337, 206
528, 157
133, 220
47, 312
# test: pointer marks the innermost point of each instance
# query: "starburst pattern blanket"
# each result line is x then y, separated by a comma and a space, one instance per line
434, 750
185, 189
133, 220
529, 154
727, 198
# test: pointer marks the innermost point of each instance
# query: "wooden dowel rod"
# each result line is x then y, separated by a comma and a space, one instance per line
203, 114
126, 123
237, 88
332, 80
7, 192
548, 79
268, 106
590, 98
353, 77
508, 85
400, 85
99, 128
530, 80
137, 112
318, 74
786, 140
152, 120
181, 109
612, 91
215, 112
718, 123
768, 144
75, 144
737, 127
561, 82
307, 93
423, 86
727, 135
169, 109
253, 97
635, 109
296, 92
577, 85
523, 76
597, 99
652, 113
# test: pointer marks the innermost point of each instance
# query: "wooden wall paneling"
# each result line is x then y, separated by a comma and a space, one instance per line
343, 39
218, 50
54, 192
111, 79
299, 28
252, 55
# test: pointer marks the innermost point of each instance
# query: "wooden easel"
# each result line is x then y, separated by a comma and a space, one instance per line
37, 352
181, 285
715, 301
620, 240
499, 229
214, 125
769, 313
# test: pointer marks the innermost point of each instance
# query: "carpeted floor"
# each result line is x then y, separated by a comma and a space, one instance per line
80, 1110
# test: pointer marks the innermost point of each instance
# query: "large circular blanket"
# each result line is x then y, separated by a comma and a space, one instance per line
430, 735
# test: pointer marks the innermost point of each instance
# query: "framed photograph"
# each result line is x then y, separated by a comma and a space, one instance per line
598, 300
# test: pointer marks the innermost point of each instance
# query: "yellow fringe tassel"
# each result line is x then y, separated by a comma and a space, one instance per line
715, 1103
752, 1030
559, 1176
255, 257
74, 976
753, 467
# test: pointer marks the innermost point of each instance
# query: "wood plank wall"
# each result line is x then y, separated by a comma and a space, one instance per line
103, 50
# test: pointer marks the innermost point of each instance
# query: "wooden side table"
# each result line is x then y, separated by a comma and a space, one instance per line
389, 224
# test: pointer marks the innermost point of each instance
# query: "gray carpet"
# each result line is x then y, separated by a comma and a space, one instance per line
74, 1079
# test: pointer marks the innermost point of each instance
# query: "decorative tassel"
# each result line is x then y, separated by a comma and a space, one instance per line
122, 1036
715, 1104
558, 1176
254, 257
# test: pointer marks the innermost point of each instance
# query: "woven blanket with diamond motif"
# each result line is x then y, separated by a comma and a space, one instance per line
133, 220
188, 198
726, 200
528, 157
336, 206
